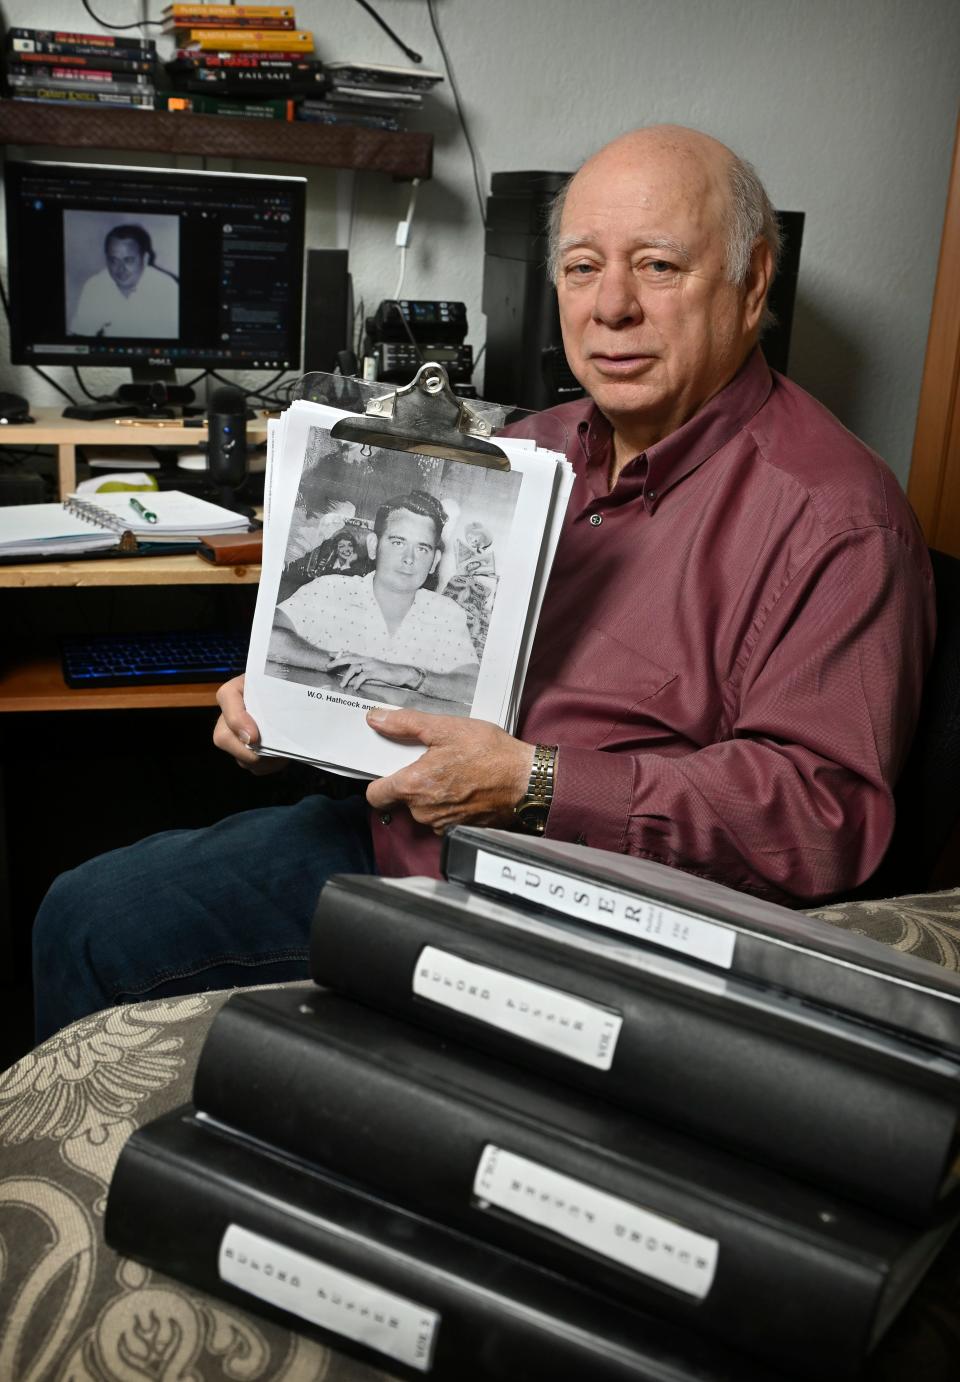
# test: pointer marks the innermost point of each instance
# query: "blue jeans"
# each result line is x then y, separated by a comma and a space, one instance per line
221, 907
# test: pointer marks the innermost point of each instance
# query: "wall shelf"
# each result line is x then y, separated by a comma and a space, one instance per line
402, 153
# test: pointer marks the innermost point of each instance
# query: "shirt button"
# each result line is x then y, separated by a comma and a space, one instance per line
385, 818
596, 519
651, 495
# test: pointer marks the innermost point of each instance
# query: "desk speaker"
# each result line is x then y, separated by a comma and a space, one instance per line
227, 438
328, 310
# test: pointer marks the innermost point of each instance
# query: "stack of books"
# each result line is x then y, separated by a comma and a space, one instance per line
62, 68
239, 60
372, 95
566, 1115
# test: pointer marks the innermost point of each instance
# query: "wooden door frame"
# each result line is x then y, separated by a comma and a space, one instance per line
934, 484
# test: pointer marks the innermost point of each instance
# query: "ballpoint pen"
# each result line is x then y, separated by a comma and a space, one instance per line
143, 512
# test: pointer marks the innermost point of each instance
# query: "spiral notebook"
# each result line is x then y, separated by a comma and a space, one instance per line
78, 526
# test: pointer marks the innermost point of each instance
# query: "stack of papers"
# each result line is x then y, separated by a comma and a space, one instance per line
83, 524
393, 579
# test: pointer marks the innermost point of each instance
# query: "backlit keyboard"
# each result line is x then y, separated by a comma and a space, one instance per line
143, 659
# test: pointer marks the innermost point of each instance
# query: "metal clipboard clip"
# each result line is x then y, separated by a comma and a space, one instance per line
426, 417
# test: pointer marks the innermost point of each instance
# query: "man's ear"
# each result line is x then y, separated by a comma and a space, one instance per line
372, 543
759, 278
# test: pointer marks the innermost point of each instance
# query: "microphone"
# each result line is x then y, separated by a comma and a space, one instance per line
227, 443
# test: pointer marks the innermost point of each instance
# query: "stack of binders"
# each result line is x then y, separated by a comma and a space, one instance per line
567, 1115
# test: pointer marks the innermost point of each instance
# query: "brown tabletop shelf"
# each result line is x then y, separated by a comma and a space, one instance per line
34, 681
402, 153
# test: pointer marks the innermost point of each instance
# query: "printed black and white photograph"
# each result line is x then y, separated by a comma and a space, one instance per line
390, 575
121, 274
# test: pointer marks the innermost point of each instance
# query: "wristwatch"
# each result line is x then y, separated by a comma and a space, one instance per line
532, 809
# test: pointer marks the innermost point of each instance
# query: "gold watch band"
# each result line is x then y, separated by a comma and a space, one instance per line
532, 810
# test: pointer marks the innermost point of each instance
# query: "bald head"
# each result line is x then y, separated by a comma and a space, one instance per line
662, 266
703, 167
696, 153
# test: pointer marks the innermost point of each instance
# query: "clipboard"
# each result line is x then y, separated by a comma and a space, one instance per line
426, 417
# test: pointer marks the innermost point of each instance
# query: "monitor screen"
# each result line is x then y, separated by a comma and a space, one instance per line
154, 268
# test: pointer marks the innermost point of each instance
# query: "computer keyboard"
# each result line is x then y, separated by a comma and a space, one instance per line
144, 659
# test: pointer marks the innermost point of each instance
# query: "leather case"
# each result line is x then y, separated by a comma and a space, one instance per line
232, 549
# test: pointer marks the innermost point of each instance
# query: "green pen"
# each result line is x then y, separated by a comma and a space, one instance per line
143, 512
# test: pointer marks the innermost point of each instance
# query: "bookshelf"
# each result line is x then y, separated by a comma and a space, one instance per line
401, 154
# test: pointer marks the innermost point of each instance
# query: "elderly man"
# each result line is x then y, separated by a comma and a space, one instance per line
729, 659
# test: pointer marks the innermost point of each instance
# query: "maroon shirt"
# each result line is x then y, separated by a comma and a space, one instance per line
731, 649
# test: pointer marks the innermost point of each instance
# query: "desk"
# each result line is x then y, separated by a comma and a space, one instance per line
65, 434
72, 785
31, 679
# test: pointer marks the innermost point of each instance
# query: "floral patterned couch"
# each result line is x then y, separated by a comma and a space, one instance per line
72, 1310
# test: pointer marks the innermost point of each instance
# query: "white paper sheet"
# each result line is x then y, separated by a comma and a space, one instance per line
503, 524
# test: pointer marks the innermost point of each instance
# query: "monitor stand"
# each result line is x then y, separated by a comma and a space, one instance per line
153, 393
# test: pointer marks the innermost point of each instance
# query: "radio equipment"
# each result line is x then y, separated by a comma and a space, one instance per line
405, 333
429, 321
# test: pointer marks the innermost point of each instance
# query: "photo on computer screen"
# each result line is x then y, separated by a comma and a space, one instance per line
391, 569
121, 274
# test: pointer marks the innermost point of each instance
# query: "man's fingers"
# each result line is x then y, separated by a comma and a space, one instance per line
236, 732
382, 792
418, 726
234, 712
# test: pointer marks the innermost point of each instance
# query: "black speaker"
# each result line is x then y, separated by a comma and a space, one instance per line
14, 409
328, 310
227, 442
783, 291
526, 364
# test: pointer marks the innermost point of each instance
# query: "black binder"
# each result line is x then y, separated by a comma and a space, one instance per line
763, 941
209, 1208
839, 1103
791, 1275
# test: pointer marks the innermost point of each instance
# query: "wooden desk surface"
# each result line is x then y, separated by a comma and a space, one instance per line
51, 428
174, 569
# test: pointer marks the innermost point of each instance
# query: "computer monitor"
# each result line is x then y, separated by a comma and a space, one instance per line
154, 269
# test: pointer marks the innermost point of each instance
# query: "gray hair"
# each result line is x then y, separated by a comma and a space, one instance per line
750, 218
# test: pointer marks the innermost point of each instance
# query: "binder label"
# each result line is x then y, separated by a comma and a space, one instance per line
572, 1026
636, 1238
324, 1295
639, 917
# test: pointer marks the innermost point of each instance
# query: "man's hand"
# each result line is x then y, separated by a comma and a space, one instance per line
235, 732
287, 646
355, 671
472, 772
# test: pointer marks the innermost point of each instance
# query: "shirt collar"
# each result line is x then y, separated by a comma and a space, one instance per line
673, 458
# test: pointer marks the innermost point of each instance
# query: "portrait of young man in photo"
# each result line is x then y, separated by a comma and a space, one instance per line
383, 636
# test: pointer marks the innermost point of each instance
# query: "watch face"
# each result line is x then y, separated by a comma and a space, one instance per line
532, 816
